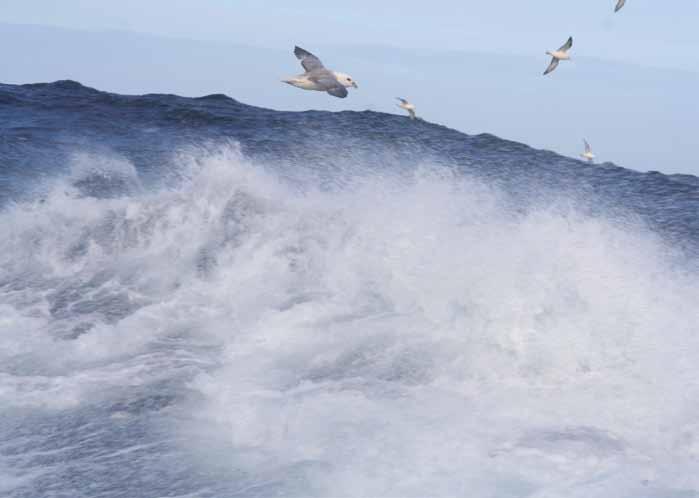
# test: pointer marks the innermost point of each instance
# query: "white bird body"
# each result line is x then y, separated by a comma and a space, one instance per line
302, 81
407, 106
560, 55
587, 155
305, 83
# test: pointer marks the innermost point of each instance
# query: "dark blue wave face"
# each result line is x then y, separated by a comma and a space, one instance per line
204, 298
44, 124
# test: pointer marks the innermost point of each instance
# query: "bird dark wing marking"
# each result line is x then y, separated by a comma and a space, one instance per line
338, 91
309, 61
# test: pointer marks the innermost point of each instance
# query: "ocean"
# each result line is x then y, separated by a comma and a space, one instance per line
201, 298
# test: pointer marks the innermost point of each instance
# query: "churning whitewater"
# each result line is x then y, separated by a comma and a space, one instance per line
196, 301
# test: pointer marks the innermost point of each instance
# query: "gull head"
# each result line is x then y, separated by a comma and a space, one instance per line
346, 80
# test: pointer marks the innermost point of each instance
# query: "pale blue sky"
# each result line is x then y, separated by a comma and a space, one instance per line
647, 31
484, 74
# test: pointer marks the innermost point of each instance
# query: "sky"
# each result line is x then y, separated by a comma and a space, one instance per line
634, 70
646, 31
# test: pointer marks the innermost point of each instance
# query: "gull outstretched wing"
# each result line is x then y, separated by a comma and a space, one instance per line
338, 91
567, 45
309, 61
552, 66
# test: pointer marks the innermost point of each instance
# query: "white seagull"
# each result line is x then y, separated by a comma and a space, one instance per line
619, 5
318, 78
587, 155
559, 55
404, 104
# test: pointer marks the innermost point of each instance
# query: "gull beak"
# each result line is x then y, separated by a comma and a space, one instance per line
354, 84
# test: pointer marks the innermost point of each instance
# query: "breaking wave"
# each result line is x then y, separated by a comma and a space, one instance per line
244, 330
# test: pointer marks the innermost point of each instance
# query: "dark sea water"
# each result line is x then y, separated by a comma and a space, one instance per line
200, 298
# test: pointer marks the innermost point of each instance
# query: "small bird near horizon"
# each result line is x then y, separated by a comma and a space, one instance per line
588, 155
559, 55
619, 5
318, 78
407, 106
